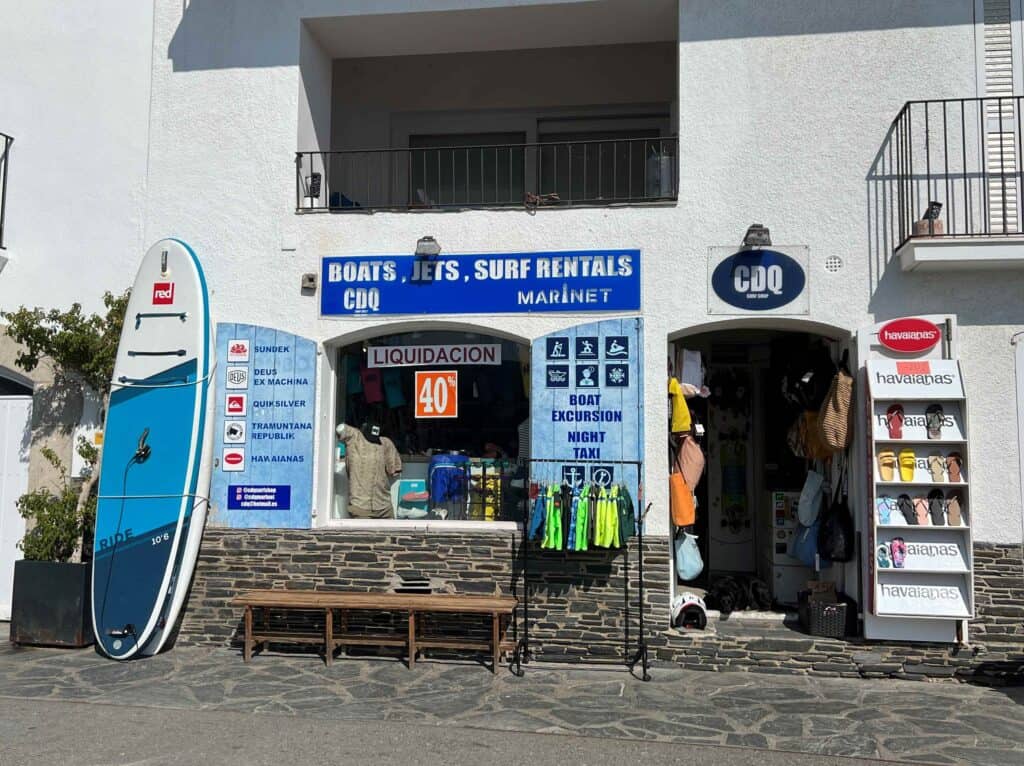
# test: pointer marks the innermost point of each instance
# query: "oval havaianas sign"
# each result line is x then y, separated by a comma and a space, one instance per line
909, 335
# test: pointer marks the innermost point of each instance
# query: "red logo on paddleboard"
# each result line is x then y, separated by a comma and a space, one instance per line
910, 335
163, 293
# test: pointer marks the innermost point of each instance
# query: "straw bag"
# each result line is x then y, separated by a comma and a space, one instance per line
835, 426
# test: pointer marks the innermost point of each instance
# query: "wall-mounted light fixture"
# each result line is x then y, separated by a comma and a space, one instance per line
427, 247
314, 186
757, 236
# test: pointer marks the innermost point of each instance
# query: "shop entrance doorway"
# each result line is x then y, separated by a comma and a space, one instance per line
756, 384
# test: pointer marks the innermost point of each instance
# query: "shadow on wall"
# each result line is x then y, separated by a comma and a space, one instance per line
219, 34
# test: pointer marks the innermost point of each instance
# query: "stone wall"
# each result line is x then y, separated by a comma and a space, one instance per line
581, 606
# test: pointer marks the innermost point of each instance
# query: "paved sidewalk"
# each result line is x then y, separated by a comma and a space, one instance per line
890, 720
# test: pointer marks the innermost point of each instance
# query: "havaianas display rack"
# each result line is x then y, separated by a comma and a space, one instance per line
522, 652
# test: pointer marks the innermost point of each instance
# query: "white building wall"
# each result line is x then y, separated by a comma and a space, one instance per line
74, 93
784, 106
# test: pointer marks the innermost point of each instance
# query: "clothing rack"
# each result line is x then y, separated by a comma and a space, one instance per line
522, 652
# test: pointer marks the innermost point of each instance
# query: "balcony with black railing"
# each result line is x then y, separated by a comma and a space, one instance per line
5, 153
953, 174
603, 172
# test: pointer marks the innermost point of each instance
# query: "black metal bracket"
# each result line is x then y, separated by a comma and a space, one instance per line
522, 654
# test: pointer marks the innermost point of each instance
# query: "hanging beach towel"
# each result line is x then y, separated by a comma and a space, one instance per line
680, 498
689, 564
809, 506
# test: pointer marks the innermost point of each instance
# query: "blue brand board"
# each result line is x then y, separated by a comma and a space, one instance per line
758, 280
263, 470
586, 403
492, 283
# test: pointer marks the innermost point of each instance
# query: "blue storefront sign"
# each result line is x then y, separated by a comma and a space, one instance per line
758, 280
586, 414
263, 427
502, 283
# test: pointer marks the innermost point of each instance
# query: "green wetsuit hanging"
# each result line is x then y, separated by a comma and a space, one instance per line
552, 519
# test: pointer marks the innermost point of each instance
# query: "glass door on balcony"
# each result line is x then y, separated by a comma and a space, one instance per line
605, 166
467, 169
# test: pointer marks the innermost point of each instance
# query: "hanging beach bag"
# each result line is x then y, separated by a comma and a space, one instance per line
835, 418
680, 497
809, 505
804, 545
689, 564
836, 534
691, 461
814, 447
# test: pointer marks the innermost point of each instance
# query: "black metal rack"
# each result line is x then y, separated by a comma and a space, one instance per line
522, 653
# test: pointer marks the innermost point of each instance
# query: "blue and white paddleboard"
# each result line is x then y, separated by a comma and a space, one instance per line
157, 447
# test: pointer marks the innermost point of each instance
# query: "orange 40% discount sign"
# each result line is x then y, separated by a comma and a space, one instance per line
437, 394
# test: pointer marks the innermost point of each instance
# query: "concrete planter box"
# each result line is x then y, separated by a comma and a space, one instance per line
51, 604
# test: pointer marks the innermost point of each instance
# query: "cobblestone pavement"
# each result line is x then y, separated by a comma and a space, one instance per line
891, 720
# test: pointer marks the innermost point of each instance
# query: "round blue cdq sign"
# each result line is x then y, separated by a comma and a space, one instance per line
758, 280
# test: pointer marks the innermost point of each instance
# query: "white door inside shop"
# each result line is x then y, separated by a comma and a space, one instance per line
15, 432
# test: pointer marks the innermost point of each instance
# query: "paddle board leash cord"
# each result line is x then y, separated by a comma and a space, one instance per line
142, 453
126, 382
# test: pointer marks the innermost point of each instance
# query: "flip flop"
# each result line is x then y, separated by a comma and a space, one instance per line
906, 509
882, 555
898, 551
937, 467
894, 421
954, 507
937, 507
908, 464
954, 464
933, 417
887, 465
885, 505
921, 511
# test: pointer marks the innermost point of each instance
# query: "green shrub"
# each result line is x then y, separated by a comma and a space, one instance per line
56, 525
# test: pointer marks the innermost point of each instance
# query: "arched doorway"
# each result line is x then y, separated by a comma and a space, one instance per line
761, 376
15, 441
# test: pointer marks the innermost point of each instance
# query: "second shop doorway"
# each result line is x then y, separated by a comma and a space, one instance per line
758, 383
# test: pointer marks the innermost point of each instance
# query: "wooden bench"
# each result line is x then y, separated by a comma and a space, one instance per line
344, 602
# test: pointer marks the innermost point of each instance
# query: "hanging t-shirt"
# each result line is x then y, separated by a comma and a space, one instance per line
393, 388
372, 385
680, 409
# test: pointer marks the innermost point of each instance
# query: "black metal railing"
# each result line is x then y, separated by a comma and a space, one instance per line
548, 174
964, 154
5, 152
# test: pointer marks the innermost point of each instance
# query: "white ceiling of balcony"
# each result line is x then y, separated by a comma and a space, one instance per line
512, 26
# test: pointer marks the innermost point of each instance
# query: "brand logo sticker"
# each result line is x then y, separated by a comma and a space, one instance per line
163, 293
910, 335
236, 404
233, 459
238, 350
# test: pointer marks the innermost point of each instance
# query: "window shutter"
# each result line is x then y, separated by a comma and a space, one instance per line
1000, 135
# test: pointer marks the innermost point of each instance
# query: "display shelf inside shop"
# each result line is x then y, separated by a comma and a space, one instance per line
936, 579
